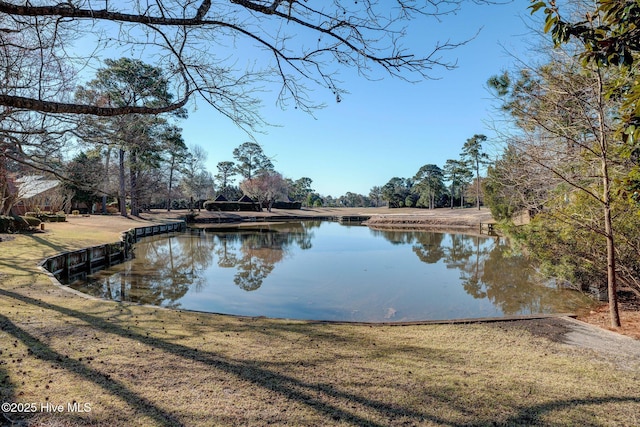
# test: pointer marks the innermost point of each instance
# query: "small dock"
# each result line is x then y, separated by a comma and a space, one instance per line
488, 228
346, 219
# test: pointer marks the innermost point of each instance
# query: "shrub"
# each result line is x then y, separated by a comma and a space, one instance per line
20, 223
12, 224
50, 217
287, 205
32, 221
7, 224
232, 206
55, 218
190, 217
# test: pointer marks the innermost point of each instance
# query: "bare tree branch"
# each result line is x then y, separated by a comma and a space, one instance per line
181, 37
65, 108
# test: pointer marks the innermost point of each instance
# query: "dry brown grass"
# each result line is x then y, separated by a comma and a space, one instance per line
143, 366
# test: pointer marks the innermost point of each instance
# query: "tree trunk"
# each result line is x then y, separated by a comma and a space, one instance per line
608, 225
122, 198
452, 195
106, 181
5, 197
478, 183
173, 165
611, 254
133, 178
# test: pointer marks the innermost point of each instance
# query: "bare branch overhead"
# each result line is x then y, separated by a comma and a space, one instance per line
227, 51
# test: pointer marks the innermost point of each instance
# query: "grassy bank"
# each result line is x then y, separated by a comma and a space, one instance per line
144, 366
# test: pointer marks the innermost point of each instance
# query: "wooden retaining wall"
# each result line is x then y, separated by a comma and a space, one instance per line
85, 261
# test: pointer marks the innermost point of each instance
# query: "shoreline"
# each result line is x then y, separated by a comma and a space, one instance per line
401, 217
442, 219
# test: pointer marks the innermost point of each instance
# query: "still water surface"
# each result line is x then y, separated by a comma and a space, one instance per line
328, 271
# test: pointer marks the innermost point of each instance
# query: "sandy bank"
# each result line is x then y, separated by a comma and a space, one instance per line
379, 217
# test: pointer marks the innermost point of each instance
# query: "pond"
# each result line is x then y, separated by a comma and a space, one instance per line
326, 271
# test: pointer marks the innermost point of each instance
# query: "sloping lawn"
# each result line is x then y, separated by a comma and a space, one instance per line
68, 360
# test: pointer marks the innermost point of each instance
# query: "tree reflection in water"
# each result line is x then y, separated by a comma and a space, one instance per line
255, 252
419, 274
172, 266
488, 268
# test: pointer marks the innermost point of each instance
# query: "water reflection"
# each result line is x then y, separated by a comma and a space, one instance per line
326, 271
488, 267
164, 269
171, 267
255, 253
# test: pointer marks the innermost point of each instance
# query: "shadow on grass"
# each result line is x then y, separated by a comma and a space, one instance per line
41, 351
289, 387
533, 415
7, 394
49, 244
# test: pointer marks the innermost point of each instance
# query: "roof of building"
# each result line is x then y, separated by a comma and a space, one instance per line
32, 185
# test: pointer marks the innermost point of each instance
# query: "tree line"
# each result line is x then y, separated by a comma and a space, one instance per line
433, 187
260, 181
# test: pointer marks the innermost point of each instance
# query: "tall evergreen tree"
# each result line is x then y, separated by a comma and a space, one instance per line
251, 160
175, 156
458, 174
224, 177
125, 82
472, 153
429, 183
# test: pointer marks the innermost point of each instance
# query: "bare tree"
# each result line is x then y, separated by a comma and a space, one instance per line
267, 188
196, 182
305, 44
30, 68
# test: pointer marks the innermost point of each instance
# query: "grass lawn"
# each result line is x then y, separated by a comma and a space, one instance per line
130, 365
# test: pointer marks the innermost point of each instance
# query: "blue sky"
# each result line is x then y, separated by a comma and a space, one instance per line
383, 128
387, 128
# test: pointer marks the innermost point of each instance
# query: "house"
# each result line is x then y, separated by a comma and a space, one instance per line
35, 192
245, 199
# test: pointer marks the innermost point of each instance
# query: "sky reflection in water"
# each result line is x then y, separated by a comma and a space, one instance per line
327, 271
